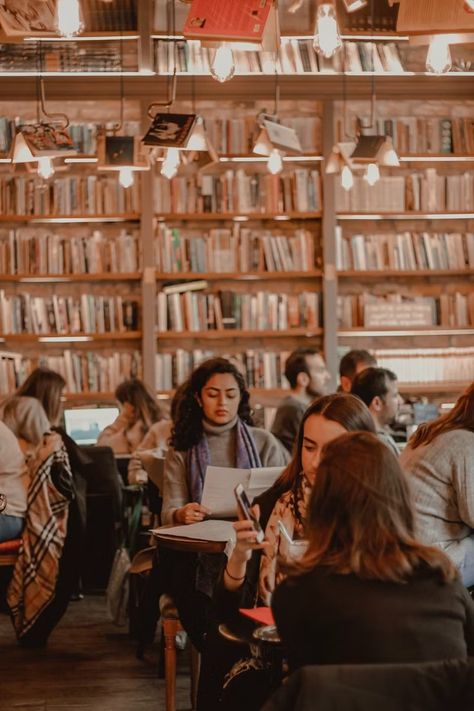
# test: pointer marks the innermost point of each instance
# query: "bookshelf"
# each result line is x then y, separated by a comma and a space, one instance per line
93, 99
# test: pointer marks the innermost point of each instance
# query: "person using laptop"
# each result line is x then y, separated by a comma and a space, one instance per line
212, 426
139, 410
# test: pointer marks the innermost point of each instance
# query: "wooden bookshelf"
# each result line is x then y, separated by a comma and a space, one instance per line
89, 397
366, 332
433, 388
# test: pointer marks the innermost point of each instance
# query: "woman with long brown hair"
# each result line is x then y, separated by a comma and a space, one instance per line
366, 590
440, 461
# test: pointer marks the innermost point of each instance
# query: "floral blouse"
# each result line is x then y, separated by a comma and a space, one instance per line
290, 509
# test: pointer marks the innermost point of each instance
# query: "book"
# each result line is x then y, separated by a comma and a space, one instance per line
211, 530
27, 17
170, 130
45, 139
248, 21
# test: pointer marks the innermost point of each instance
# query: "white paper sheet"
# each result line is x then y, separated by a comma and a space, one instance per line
262, 479
218, 491
210, 530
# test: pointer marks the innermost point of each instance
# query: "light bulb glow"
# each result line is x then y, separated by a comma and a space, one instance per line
438, 59
275, 163
347, 179
68, 17
372, 174
327, 39
170, 165
469, 5
45, 167
198, 139
222, 67
126, 176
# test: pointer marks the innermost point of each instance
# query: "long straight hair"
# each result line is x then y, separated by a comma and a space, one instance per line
46, 386
135, 392
360, 515
347, 410
461, 417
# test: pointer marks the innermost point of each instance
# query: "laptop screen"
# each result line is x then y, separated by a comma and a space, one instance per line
84, 424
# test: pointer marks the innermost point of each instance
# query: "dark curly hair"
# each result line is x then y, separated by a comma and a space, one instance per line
188, 427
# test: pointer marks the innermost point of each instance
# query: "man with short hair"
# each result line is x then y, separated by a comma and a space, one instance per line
308, 377
378, 388
353, 363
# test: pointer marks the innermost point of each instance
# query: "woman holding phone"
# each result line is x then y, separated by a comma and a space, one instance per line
212, 426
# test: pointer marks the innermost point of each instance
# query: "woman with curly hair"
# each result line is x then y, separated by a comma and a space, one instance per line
212, 426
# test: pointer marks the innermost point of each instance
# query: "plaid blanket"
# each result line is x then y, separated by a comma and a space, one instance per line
36, 569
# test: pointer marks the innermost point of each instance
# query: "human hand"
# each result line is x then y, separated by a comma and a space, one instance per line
246, 537
191, 513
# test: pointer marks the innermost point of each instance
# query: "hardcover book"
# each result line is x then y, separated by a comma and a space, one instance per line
170, 130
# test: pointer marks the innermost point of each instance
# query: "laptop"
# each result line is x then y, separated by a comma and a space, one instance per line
84, 424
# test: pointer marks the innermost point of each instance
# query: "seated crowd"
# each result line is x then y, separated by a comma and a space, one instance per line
365, 555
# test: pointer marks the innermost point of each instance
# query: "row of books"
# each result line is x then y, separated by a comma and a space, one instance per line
69, 57
455, 310
421, 134
261, 369
426, 191
238, 191
37, 251
401, 251
239, 249
263, 311
72, 195
236, 135
84, 372
24, 313
296, 56
429, 365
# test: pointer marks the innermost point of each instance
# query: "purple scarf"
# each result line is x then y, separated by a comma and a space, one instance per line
246, 457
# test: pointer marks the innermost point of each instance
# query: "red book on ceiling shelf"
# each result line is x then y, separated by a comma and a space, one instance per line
242, 21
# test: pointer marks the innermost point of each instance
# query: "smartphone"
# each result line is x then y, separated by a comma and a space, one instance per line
245, 507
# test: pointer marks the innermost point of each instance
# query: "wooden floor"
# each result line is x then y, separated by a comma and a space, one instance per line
88, 665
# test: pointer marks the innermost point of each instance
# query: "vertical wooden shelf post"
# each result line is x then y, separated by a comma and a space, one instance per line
329, 248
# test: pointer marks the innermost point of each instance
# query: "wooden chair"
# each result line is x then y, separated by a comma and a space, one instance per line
170, 626
8, 555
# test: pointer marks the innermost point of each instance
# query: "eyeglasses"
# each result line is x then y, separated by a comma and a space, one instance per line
3, 502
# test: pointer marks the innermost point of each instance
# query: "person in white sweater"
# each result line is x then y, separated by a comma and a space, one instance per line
439, 459
138, 412
14, 481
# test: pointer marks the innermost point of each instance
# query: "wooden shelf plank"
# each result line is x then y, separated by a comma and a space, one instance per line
69, 337
90, 397
237, 216
60, 278
362, 332
405, 216
237, 276
125, 217
422, 273
238, 333
429, 388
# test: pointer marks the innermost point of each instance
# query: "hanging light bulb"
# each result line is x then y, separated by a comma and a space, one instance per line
126, 176
347, 179
170, 164
438, 59
68, 18
45, 167
197, 140
222, 67
372, 174
327, 39
275, 163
